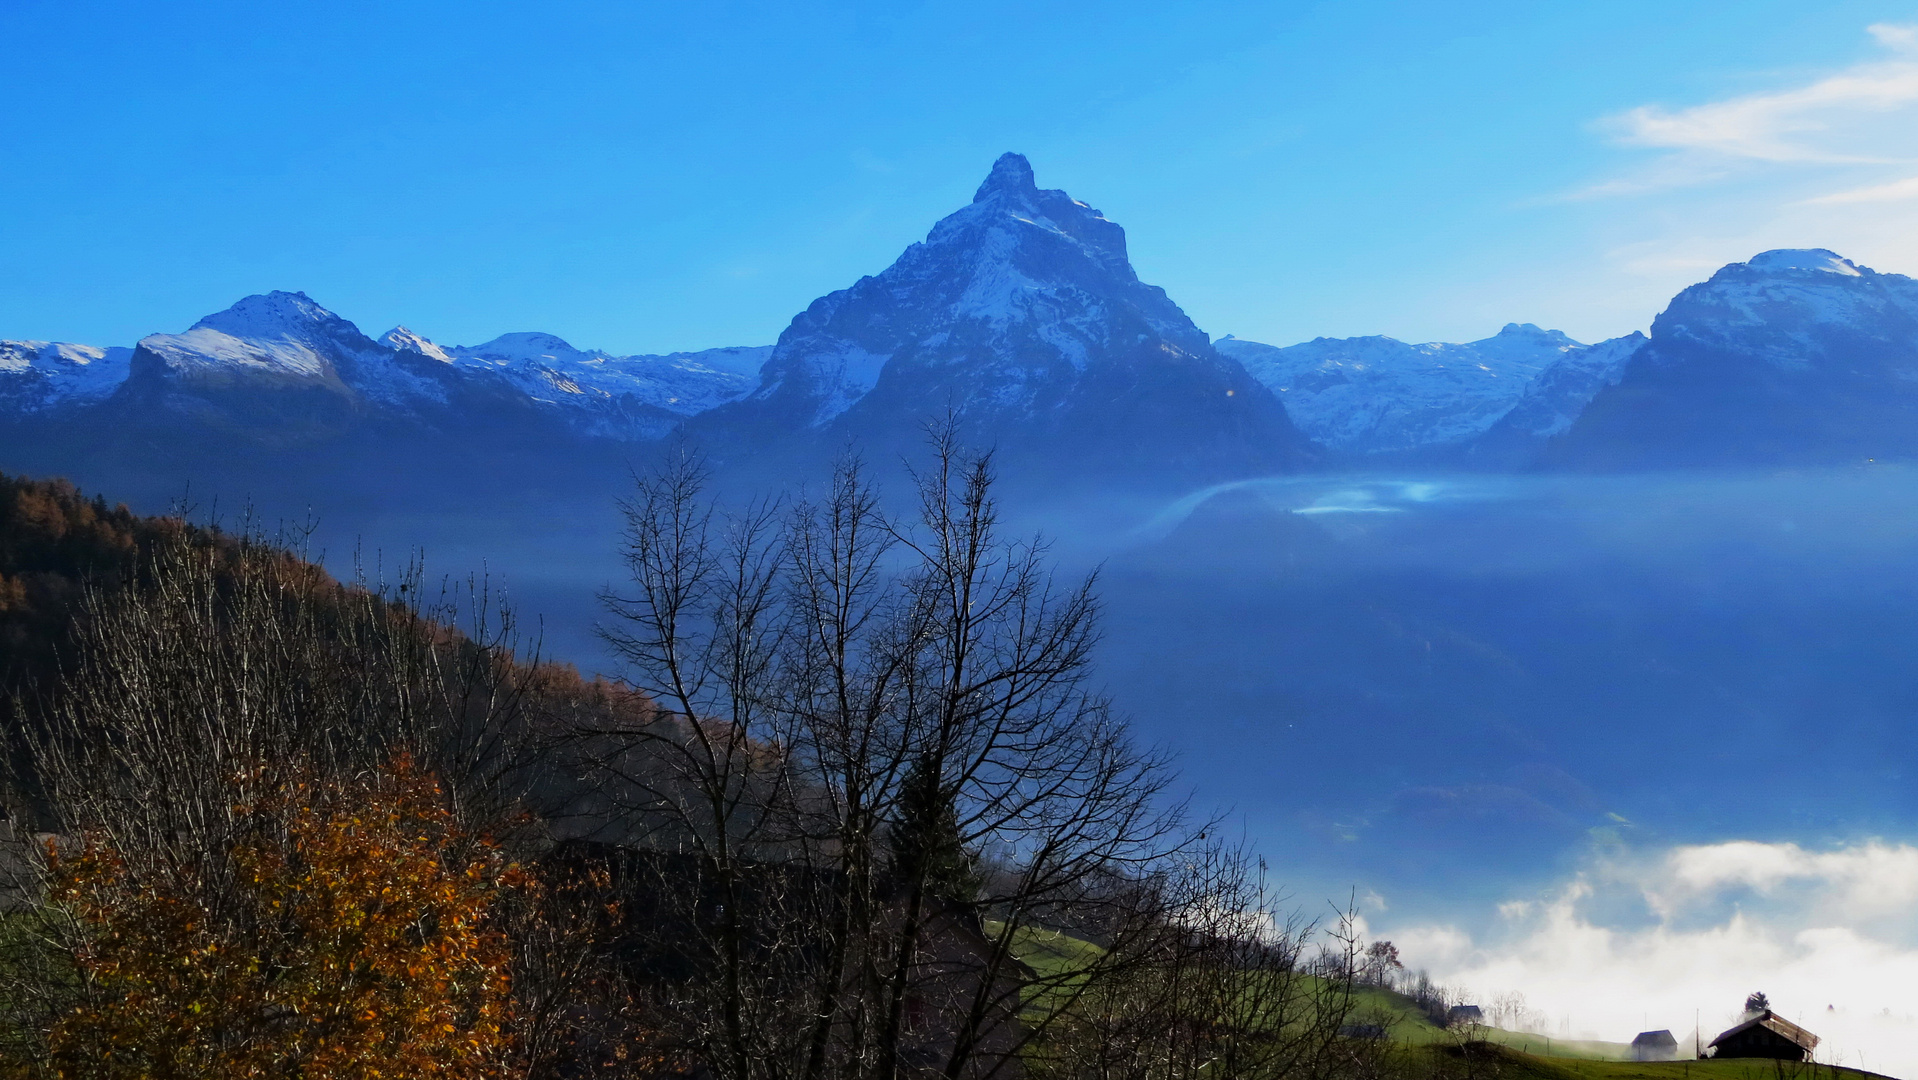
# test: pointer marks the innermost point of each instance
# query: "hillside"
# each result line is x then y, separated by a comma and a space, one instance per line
54, 541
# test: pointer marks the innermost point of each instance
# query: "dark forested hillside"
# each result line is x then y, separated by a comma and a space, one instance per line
54, 541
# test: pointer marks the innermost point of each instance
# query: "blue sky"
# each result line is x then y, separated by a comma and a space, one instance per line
642, 177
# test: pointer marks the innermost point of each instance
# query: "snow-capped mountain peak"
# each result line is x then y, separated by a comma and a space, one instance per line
1791, 356
273, 315
527, 347
1008, 210
1794, 310
400, 339
1021, 313
276, 335
1816, 259
1532, 332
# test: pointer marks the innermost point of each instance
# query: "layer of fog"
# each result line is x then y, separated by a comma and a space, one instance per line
1677, 938
1445, 687
1439, 688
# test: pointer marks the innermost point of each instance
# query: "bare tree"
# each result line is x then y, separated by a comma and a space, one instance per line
1230, 986
876, 773
878, 788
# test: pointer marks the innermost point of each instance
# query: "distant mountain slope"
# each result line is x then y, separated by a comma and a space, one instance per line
39, 376
1375, 395
1021, 314
546, 368
279, 370
276, 369
1795, 357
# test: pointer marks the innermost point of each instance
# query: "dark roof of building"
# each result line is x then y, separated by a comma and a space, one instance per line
1660, 1037
1775, 1024
1466, 1010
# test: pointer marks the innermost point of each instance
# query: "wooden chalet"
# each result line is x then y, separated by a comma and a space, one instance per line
1655, 1046
1766, 1035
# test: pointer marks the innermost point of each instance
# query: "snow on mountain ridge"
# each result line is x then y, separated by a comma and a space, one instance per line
277, 335
1793, 310
287, 341
1378, 394
36, 376
1792, 357
400, 339
1556, 398
548, 369
1818, 259
274, 315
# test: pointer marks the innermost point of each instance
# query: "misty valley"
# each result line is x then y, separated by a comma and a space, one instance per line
994, 671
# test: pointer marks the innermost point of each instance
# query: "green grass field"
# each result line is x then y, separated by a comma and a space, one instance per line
1504, 1063
1404, 1023
1500, 1054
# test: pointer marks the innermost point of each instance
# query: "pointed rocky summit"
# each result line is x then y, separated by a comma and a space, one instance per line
1021, 315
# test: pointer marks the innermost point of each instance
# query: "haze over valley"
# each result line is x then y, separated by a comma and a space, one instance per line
1465, 627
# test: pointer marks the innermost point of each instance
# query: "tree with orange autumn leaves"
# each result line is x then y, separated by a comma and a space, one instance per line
291, 818
358, 943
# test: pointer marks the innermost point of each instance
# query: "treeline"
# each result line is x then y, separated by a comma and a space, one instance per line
53, 544
858, 813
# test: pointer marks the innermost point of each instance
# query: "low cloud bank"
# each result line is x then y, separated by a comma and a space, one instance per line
1645, 941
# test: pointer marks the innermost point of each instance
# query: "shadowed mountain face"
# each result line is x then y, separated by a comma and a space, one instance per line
1020, 315
1796, 357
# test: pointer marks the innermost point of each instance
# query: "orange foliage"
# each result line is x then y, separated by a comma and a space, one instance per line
354, 943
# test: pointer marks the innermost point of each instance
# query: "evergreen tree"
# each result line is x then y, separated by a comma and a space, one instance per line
925, 841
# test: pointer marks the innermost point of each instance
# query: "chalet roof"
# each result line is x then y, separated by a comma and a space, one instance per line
1774, 1023
1660, 1037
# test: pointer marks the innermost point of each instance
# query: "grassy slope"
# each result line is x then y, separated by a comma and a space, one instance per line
1517, 1055
1506, 1064
1521, 1055
1406, 1024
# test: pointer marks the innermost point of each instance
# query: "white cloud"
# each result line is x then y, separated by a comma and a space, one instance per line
1863, 116
1871, 880
1828, 161
1642, 942
1896, 191
1892, 36
1816, 123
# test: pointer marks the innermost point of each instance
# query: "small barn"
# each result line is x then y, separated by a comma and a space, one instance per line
1464, 1014
1766, 1035
1655, 1046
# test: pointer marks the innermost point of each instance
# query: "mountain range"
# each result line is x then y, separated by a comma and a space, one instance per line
1020, 316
